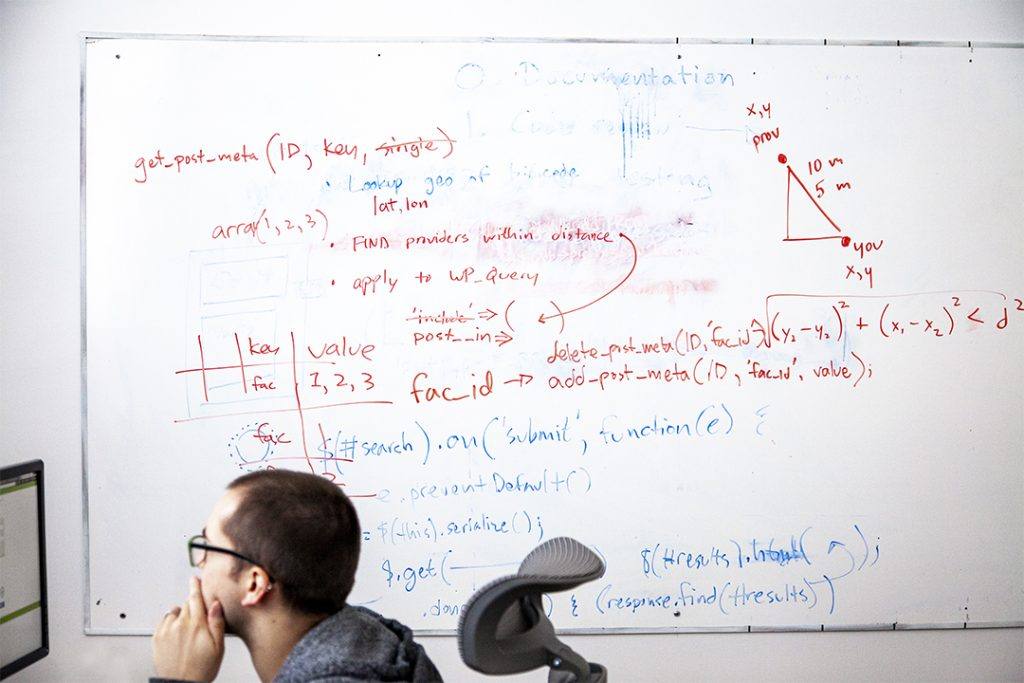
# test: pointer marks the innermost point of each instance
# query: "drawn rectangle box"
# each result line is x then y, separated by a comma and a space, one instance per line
221, 350
225, 282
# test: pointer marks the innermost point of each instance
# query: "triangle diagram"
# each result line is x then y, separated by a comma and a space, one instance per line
805, 219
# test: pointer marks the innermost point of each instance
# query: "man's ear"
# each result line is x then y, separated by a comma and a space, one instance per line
257, 588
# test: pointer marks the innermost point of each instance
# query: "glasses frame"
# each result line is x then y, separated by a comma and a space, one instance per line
200, 541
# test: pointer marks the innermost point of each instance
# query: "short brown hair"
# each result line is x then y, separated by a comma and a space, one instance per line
303, 531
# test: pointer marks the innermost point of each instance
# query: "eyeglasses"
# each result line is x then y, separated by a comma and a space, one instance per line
198, 547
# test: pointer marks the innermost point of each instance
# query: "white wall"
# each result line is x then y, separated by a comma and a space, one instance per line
40, 390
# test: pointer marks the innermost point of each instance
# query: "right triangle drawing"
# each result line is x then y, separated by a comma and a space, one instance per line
805, 219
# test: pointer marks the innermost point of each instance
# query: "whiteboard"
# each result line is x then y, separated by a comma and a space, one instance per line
745, 319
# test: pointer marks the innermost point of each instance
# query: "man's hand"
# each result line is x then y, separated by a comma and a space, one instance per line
189, 642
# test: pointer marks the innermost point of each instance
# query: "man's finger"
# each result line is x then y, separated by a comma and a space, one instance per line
197, 609
167, 619
181, 612
215, 617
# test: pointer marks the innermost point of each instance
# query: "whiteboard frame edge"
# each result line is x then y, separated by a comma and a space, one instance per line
687, 630
93, 36
87, 589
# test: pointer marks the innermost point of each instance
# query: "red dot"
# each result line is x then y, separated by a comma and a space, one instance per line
845, 241
782, 159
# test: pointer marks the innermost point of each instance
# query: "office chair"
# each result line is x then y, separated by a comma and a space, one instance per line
503, 628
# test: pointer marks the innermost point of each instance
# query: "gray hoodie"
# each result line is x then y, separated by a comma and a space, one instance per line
357, 644
353, 645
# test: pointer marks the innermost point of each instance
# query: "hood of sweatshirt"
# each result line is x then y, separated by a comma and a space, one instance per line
357, 644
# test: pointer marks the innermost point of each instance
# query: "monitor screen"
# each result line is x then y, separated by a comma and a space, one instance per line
23, 617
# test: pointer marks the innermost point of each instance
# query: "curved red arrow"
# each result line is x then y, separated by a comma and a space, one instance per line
544, 318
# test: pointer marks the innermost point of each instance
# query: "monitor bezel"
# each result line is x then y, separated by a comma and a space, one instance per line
12, 472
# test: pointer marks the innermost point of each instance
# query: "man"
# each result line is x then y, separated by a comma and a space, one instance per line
278, 559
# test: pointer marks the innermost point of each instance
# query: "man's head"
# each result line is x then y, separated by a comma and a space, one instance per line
302, 536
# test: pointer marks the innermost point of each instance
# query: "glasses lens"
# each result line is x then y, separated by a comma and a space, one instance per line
196, 555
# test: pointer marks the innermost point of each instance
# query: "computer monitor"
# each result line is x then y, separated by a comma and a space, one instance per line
24, 633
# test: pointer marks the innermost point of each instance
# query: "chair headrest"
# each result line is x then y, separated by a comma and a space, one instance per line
562, 560
503, 628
